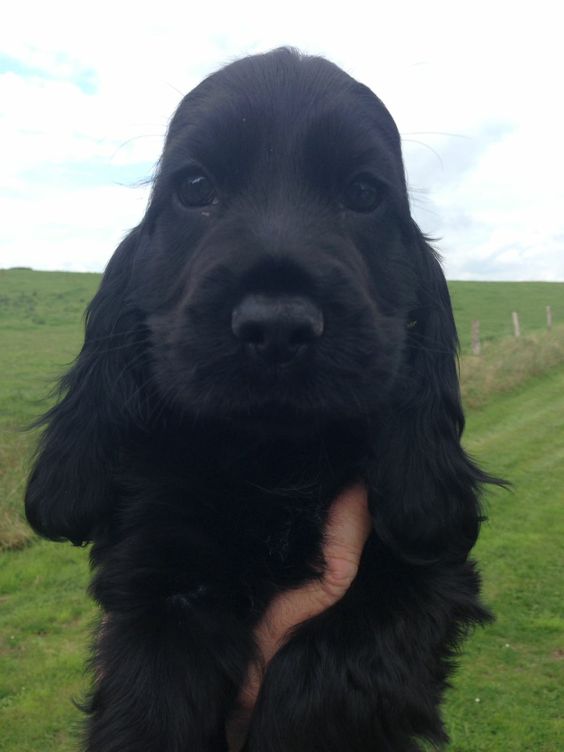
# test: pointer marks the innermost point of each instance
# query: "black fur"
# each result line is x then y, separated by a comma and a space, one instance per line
203, 476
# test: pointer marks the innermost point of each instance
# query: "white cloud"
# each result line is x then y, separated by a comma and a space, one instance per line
73, 230
94, 86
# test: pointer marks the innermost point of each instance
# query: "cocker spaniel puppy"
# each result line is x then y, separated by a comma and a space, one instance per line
275, 329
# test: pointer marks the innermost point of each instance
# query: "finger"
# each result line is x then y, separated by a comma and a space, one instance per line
348, 526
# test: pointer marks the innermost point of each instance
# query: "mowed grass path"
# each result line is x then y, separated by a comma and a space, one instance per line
509, 693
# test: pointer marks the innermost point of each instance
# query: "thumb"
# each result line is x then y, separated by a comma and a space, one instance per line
347, 530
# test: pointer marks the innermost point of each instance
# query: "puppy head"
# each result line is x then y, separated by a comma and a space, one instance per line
277, 269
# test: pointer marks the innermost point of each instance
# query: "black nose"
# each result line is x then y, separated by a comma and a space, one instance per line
277, 328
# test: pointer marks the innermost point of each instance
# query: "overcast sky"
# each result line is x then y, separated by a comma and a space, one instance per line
87, 89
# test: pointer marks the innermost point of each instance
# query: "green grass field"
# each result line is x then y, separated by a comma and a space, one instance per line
507, 695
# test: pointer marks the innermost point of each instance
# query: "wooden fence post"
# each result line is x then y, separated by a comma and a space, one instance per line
516, 327
476, 337
549, 317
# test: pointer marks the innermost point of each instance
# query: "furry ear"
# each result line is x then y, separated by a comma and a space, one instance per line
70, 488
425, 489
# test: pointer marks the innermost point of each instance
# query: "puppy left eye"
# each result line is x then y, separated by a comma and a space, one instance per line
363, 194
195, 190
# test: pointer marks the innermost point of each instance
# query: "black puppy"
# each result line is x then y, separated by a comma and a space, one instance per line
275, 329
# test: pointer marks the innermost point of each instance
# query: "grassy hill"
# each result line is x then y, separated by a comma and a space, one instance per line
493, 303
507, 694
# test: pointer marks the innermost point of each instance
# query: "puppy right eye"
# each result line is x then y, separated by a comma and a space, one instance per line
194, 190
363, 194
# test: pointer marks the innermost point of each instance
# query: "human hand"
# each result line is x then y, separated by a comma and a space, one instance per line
347, 529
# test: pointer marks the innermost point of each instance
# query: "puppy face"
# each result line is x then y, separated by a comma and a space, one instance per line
276, 267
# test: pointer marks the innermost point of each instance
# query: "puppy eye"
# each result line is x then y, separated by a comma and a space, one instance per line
363, 194
196, 190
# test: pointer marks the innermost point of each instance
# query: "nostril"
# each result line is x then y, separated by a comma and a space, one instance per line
277, 328
250, 332
302, 335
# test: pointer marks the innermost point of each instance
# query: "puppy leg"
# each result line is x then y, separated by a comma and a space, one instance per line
369, 673
171, 654
320, 696
165, 681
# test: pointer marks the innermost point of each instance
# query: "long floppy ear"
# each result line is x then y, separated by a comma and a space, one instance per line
70, 490
425, 489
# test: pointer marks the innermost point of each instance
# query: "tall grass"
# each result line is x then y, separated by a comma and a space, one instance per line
505, 364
